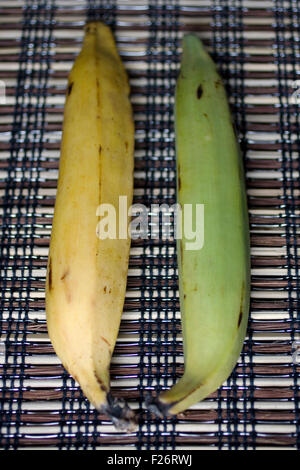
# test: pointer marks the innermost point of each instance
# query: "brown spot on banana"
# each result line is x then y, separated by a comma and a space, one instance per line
98, 116
97, 93
241, 305
90, 28
178, 177
66, 285
199, 92
70, 88
100, 382
65, 274
105, 341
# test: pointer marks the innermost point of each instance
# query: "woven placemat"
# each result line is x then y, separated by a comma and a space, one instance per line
257, 48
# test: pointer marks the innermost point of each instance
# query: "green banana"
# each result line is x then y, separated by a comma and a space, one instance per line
214, 281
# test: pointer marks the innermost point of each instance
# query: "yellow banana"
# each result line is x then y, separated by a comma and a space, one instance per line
86, 275
214, 282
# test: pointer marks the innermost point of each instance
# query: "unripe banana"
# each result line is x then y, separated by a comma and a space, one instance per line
214, 282
86, 275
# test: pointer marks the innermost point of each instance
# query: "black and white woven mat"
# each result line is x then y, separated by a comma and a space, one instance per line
257, 47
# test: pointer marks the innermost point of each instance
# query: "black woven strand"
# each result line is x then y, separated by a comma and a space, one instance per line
285, 115
248, 402
146, 313
24, 199
5, 248
34, 122
169, 44
294, 15
173, 60
159, 149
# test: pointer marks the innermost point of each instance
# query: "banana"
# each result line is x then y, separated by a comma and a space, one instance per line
86, 275
214, 281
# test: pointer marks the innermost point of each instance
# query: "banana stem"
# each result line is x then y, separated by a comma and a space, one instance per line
123, 417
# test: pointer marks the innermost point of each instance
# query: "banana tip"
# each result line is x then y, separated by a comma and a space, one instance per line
123, 417
157, 407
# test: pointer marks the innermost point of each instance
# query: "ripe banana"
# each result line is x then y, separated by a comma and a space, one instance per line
214, 282
86, 276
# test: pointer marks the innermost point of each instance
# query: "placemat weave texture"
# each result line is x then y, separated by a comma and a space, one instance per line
257, 48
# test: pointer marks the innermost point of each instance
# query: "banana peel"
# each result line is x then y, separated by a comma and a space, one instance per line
86, 275
214, 281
